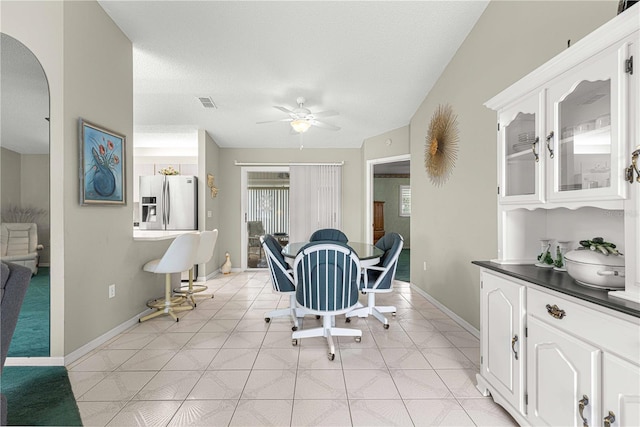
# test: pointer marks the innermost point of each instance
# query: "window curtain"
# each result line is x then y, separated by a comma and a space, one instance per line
315, 199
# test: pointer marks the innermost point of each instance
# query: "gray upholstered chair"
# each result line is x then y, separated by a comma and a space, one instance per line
379, 279
281, 279
328, 234
19, 244
179, 257
15, 281
327, 276
205, 252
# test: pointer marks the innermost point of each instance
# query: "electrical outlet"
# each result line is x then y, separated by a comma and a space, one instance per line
208, 214
424, 266
112, 290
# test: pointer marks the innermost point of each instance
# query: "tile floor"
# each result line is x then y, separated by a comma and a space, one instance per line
222, 364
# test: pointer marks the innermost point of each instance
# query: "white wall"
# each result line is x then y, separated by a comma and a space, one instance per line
457, 223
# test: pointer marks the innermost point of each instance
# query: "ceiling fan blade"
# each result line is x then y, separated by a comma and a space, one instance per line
327, 113
292, 114
275, 121
324, 125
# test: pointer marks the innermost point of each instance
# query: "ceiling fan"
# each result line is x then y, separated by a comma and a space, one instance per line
301, 118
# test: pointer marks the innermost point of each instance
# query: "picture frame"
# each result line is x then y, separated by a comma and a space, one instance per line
102, 165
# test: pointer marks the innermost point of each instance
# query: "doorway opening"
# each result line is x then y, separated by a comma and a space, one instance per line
25, 192
266, 211
389, 205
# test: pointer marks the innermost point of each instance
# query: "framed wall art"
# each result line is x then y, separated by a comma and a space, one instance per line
102, 165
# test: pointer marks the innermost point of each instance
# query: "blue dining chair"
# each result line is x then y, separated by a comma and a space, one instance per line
379, 279
327, 276
281, 280
328, 234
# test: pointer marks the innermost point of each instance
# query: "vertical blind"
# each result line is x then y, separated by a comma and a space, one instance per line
316, 199
271, 206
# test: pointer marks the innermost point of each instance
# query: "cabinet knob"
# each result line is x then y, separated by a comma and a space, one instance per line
609, 419
549, 138
555, 312
582, 403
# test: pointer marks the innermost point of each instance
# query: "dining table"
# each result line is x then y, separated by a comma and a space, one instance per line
367, 253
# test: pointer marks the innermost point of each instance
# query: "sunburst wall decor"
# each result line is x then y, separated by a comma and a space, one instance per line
441, 146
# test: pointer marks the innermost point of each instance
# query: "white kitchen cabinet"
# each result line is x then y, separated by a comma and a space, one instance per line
520, 169
562, 378
577, 363
620, 392
563, 132
502, 340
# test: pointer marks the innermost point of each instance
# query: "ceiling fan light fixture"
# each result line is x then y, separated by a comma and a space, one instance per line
300, 125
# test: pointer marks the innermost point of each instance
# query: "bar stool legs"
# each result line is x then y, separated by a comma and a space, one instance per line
167, 305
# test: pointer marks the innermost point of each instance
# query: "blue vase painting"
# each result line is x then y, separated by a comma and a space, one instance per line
103, 166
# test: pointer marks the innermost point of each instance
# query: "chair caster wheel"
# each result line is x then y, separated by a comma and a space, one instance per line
393, 314
294, 342
139, 321
347, 320
386, 326
177, 319
317, 316
267, 319
332, 356
295, 328
358, 339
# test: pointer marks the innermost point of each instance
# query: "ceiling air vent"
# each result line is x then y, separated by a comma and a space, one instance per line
207, 102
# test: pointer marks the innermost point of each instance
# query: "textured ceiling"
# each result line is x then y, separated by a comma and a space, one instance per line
373, 62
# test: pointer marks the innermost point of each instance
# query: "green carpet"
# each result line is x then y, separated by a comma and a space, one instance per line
39, 396
404, 265
31, 337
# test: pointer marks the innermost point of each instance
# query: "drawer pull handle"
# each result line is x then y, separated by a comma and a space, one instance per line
609, 419
514, 340
581, 405
555, 312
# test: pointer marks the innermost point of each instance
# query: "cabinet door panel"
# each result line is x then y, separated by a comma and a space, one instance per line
519, 152
620, 391
562, 369
502, 304
586, 112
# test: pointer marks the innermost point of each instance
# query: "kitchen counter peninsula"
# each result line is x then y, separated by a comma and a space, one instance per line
561, 282
151, 235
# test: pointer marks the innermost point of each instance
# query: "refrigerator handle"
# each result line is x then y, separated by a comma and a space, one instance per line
164, 207
168, 203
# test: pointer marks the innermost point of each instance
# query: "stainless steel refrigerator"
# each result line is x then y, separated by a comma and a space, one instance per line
168, 202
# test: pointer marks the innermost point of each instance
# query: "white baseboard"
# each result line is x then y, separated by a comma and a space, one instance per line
34, 361
459, 320
209, 276
92, 345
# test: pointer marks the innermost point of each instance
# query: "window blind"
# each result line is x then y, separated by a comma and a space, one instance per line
315, 199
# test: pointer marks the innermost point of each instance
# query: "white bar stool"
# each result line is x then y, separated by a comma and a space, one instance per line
205, 252
179, 257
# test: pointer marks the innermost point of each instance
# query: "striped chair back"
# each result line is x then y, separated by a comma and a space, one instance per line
281, 277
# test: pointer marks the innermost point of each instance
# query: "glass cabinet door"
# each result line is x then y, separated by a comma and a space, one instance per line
583, 142
519, 152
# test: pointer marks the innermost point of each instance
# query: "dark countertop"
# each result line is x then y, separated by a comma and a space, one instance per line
563, 283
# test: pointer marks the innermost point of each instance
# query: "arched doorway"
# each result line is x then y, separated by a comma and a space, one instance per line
24, 195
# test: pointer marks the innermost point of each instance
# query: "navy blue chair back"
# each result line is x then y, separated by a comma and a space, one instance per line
281, 277
330, 234
327, 276
391, 244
